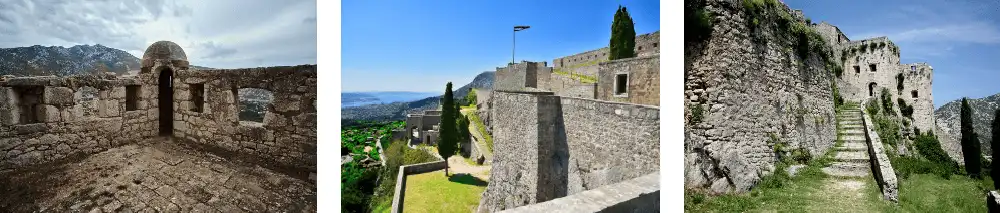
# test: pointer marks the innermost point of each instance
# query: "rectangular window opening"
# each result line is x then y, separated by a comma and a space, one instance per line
913, 93
621, 84
857, 69
131, 97
872, 67
198, 97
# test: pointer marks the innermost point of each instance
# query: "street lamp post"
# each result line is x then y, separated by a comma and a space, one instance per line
514, 43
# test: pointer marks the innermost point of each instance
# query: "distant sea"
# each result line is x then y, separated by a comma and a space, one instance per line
353, 99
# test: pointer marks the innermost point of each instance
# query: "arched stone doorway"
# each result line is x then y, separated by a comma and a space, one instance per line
871, 89
166, 102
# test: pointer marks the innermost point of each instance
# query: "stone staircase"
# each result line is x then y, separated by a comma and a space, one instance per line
851, 159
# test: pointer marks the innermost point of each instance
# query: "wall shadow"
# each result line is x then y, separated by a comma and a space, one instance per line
467, 179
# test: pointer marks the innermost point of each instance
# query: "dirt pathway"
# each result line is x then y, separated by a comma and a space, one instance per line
457, 164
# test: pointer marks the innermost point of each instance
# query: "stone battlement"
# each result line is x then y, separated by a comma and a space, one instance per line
48, 118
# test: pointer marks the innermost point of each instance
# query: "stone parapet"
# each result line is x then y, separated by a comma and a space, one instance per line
881, 167
640, 194
412, 169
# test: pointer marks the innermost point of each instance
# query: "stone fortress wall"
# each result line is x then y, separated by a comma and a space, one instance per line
642, 77
49, 118
741, 96
44, 119
549, 146
207, 113
556, 135
872, 64
645, 45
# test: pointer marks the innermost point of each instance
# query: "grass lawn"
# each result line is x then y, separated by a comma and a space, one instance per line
932, 193
433, 192
812, 192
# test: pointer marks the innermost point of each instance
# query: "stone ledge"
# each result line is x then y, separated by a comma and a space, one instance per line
640, 194
397, 198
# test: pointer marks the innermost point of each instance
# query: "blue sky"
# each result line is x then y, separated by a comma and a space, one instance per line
959, 39
419, 46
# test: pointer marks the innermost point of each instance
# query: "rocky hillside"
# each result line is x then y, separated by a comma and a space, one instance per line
398, 110
61, 61
949, 123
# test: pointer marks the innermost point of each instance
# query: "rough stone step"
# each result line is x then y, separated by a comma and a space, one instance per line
852, 126
852, 118
855, 156
851, 166
855, 140
853, 131
853, 146
846, 173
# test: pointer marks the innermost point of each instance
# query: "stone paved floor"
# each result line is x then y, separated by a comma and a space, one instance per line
158, 177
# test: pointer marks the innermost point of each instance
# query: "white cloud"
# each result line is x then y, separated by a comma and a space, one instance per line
222, 34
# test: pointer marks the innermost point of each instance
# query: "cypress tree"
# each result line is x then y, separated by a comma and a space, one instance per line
447, 139
622, 44
995, 147
970, 142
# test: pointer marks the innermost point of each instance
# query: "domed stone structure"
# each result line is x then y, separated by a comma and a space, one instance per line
165, 52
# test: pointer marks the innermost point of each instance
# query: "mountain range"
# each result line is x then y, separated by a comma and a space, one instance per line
61, 61
398, 110
948, 123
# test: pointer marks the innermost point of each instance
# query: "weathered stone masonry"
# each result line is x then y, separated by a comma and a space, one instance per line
548, 146
740, 93
49, 118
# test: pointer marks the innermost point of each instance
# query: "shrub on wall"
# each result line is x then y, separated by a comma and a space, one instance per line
698, 22
696, 113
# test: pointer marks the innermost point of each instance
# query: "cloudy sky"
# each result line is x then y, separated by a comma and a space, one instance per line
217, 33
960, 39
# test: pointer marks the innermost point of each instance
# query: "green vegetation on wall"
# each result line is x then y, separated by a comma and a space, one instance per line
698, 22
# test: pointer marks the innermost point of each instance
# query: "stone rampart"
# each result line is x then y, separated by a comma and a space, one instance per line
885, 176
548, 146
563, 85
43, 119
917, 78
745, 91
641, 79
412, 169
645, 45
207, 114
640, 194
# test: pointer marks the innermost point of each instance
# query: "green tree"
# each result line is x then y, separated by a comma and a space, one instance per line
622, 35
995, 146
471, 97
448, 138
970, 142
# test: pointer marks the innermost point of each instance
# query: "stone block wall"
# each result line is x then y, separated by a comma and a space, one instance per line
645, 45
563, 85
739, 93
918, 79
44, 119
287, 135
860, 81
514, 178
549, 146
643, 85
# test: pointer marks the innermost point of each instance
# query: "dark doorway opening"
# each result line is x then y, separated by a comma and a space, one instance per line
871, 89
166, 104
